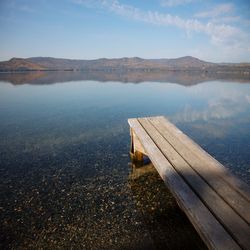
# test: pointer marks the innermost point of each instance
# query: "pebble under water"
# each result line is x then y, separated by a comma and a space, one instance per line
52, 203
66, 179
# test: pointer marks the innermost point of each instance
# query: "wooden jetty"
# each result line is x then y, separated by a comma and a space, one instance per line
215, 201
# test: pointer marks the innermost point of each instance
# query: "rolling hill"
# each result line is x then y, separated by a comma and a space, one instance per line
186, 63
19, 64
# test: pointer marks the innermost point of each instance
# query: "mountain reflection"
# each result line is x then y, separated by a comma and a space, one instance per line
179, 77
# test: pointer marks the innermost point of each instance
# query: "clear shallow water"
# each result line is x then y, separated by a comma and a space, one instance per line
66, 179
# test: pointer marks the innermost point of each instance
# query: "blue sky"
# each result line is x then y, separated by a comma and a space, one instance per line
217, 31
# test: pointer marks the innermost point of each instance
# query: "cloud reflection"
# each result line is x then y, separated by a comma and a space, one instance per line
219, 103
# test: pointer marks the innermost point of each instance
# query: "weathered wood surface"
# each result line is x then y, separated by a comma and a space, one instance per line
216, 202
202, 167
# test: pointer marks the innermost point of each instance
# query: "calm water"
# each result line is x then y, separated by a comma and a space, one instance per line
65, 174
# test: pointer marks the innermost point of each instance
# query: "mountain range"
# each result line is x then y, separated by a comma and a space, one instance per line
186, 63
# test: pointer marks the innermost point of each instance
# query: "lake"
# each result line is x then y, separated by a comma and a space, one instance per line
66, 177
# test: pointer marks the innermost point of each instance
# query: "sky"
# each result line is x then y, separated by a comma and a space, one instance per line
216, 31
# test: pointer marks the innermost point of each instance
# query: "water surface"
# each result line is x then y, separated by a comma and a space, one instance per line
65, 174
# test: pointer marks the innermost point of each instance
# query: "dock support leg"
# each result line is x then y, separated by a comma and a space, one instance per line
136, 151
138, 156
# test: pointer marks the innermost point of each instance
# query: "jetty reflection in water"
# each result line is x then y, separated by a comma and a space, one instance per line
65, 180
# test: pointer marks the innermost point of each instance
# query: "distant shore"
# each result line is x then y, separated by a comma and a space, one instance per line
182, 64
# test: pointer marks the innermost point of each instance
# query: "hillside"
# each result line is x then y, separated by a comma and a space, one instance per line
19, 64
124, 63
187, 63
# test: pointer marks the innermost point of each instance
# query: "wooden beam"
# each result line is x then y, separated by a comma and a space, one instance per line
209, 228
208, 172
228, 217
242, 188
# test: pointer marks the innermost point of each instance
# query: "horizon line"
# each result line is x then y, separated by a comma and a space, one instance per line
124, 57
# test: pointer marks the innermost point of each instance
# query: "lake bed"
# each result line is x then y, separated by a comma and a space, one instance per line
66, 177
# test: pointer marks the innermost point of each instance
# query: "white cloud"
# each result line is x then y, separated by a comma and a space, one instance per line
171, 3
219, 33
227, 19
226, 36
218, 10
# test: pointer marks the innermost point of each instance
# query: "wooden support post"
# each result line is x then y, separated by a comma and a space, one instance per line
136, 150
138, 156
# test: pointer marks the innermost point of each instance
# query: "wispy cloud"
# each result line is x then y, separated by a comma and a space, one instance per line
220, 34
171, 3
218, 10
227, 19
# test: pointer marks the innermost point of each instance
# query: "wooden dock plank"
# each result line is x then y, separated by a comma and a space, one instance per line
242, 188
210, 230
235, 225
208, 173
